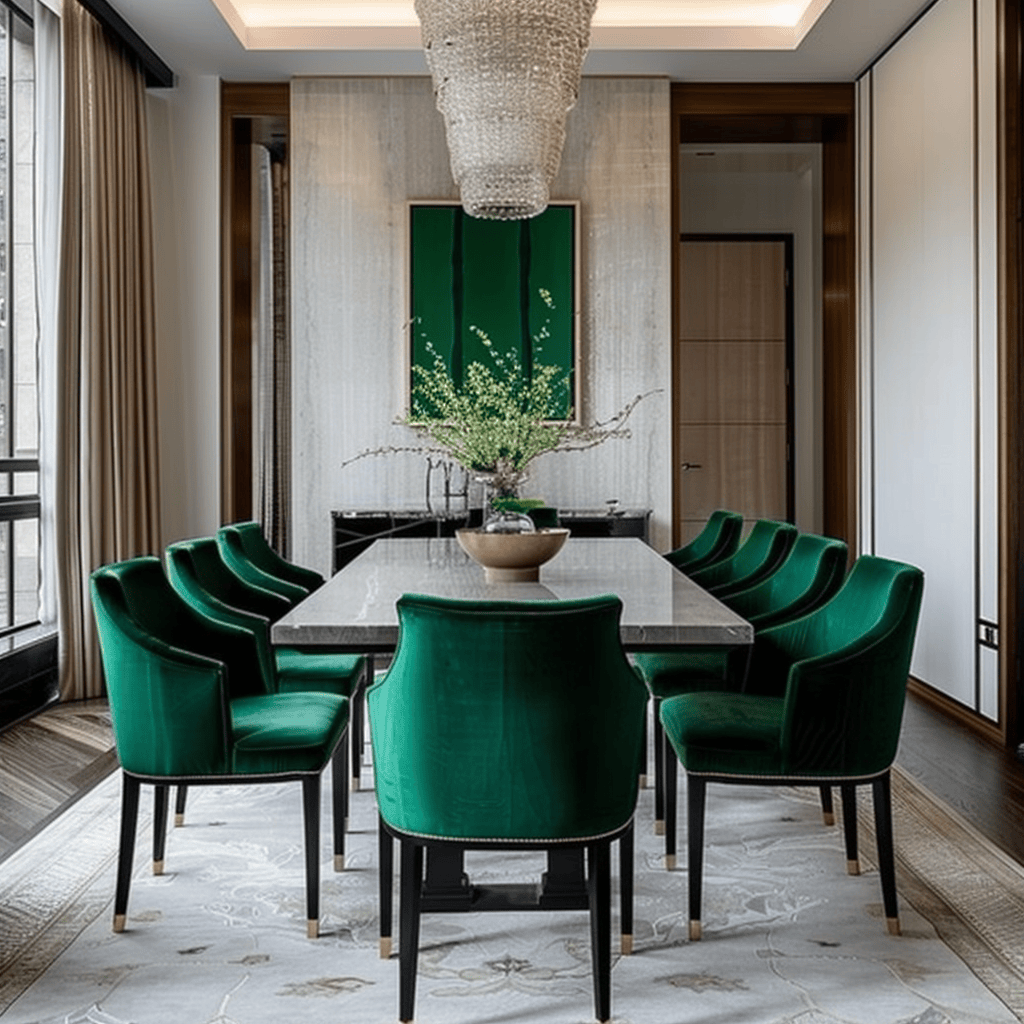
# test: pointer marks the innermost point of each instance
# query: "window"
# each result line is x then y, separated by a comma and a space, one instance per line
19, 419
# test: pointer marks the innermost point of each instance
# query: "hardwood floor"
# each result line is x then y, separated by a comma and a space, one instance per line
50, 760
47, 762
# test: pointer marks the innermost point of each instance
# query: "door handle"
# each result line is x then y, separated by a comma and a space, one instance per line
686, 466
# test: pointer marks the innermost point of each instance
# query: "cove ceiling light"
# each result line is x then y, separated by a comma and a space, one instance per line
617, 24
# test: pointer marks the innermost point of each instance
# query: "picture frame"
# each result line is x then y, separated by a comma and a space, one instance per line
517, 282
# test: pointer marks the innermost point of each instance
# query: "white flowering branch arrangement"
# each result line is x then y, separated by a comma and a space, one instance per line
499, 419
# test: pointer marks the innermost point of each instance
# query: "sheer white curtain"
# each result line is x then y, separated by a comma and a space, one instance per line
49, 128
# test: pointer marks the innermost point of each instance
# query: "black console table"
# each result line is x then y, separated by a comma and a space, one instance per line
354, 531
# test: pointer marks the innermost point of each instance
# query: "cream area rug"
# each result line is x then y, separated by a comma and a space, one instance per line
789, 937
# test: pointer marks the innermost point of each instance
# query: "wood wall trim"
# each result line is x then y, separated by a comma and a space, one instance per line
1010, 117
239, 102
812, 112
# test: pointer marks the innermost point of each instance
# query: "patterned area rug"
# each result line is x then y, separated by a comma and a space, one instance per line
789, 937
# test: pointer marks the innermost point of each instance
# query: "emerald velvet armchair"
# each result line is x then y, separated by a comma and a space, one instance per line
197, 571
237, 546
717, 541
823, 704
508, 724
190, 703
810, 575
757, 557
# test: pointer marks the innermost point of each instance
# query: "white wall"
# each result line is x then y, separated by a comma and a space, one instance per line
929, 342
773, 189
361, 148
184, 125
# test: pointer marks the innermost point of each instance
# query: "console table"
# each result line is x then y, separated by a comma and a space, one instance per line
353, 531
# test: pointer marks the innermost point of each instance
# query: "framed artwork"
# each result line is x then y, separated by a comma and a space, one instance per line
515, 283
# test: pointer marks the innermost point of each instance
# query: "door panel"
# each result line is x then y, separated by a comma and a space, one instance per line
733, 430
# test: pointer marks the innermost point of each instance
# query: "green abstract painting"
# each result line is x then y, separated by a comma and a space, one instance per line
513, 282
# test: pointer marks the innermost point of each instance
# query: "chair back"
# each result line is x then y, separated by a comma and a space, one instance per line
169, 673
236, 558
264, 557
717, 541
517, 721
845, 669
811, 574
201, 579
760, 554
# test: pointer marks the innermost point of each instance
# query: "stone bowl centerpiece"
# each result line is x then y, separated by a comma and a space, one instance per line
512, 557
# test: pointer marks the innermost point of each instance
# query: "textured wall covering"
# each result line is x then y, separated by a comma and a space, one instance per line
363, 147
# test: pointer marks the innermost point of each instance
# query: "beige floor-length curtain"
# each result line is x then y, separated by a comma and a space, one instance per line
107, 480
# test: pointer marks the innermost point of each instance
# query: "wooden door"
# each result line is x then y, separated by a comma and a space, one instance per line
733, 368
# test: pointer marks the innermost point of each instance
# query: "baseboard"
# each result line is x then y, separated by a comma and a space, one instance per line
954, 709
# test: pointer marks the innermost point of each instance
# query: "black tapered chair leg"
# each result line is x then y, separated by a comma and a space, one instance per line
161, 798
696, 797
881, 792
179, 806
385, 865
355, 722
126, 848
659, 768
643, 754
828, 813
409, 927
670, 784
626, 891
848, 792
311, 822
599, 887
339, 804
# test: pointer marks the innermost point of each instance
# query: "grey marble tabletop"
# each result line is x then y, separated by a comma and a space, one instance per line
662, 609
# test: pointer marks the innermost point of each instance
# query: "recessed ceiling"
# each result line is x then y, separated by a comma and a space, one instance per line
617, 25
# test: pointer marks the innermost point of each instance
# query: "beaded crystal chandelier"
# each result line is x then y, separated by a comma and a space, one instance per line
506, 73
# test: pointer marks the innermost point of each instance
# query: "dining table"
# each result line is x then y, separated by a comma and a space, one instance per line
355, 610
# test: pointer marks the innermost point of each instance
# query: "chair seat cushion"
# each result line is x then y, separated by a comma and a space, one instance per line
669, 674
286, 732
328, 673
725, 733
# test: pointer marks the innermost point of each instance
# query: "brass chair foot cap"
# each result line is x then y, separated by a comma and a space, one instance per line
179, 820
670, 862
853, 867
312, 929
344, 825
643, 781
385, 948
158, 867
355, 785
626, 945
339, 862
695, 932
659, 827
119, 922
893, 925
828, 817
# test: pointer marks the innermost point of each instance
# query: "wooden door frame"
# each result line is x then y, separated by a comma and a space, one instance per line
240, 102
786, 238
780, 113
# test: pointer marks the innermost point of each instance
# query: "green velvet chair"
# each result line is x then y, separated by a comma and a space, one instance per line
823, 704
199, 574
234, 548
717, 541
757, 557
256, 549
811, 574
515, 725
190, 703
